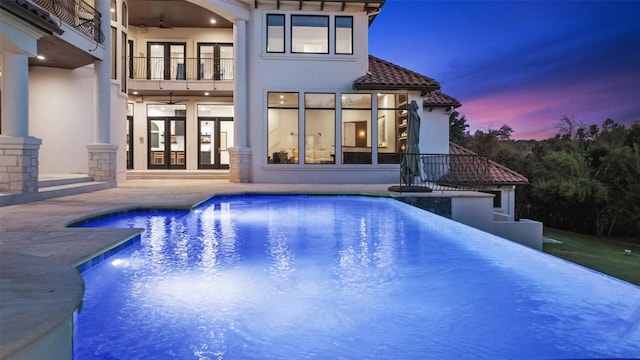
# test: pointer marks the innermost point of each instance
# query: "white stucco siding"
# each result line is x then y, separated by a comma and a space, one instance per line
434, 131
61, 112
322, 73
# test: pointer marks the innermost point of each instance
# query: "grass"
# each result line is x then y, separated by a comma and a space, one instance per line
601, 254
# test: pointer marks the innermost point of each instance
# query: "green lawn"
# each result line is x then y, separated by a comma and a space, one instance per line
601, 254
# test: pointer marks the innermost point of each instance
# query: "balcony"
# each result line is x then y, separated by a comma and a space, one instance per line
76, 13
153, 74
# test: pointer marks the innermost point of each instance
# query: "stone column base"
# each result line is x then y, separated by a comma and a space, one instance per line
239, 164
19, 164
102, 162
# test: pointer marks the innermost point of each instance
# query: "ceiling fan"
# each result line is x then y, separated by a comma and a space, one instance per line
171, 101
162, 26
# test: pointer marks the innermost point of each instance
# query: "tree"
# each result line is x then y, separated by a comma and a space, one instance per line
458, 128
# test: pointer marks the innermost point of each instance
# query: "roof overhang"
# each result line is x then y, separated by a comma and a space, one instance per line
371, 7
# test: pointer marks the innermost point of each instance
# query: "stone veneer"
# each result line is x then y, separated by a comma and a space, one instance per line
239, 164
102, 162
19, 164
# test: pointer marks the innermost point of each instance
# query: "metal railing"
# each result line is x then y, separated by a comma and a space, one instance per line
165, 68
443, 172
76, 13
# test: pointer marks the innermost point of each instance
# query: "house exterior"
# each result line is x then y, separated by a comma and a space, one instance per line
274, 91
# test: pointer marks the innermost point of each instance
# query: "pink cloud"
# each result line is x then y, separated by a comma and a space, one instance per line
533, 111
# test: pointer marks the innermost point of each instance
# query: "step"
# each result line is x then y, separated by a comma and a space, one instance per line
51, 192
177, 174
48, 180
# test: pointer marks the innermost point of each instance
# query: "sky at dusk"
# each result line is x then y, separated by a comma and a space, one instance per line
521, 63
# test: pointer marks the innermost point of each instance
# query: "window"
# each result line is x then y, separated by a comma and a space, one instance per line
114, 52
356, 128
123, 63
497, 199
275, 33
282, 128
114, 10
309, 34
319, 128
344, 35
392, 123
124, 14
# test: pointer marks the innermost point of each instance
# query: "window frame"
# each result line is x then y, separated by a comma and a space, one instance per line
306, 134
284, 34
335, 34
328, 26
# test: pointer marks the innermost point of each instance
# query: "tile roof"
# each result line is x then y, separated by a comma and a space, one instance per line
498, 174
437, 99
383, 75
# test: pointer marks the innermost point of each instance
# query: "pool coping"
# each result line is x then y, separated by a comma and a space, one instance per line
40, 259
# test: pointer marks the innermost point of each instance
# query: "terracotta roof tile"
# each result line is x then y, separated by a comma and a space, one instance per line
437, 99
384, 75
498, 174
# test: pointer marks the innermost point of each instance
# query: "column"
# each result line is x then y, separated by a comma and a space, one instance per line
18, 150
102, 154
240, 154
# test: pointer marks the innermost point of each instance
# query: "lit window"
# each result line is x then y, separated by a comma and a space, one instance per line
282, 128
356, 128
275, 33
310, 34
344, 35
114, 9
319, 128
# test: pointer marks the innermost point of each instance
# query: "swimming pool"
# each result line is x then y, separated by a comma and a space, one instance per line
337, 277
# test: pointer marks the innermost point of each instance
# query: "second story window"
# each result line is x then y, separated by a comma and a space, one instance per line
310, 34
275, 33
344, 35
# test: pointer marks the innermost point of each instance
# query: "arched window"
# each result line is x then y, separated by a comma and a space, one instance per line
114, 11
124, 14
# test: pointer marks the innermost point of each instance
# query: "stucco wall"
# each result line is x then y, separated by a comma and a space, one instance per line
434, 131
61, 113
475, 210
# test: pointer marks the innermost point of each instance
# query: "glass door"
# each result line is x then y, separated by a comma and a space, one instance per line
215, 139
129, 136
166, 61
167, 148
215, 61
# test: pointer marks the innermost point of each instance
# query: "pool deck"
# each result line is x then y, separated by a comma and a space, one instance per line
40, 287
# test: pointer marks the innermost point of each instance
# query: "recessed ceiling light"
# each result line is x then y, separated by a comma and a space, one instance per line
40, 57
206, 94
135, 93
213, 21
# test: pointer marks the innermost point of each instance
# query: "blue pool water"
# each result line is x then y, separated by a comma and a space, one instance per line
315, 277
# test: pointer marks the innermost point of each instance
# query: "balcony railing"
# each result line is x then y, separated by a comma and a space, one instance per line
76, 13
420, 172
164, 68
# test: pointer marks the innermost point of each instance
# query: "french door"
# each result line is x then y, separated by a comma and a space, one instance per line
167, 143
166, 61
215, 137
215, 61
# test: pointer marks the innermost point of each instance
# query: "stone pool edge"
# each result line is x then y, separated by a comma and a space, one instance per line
30, 337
